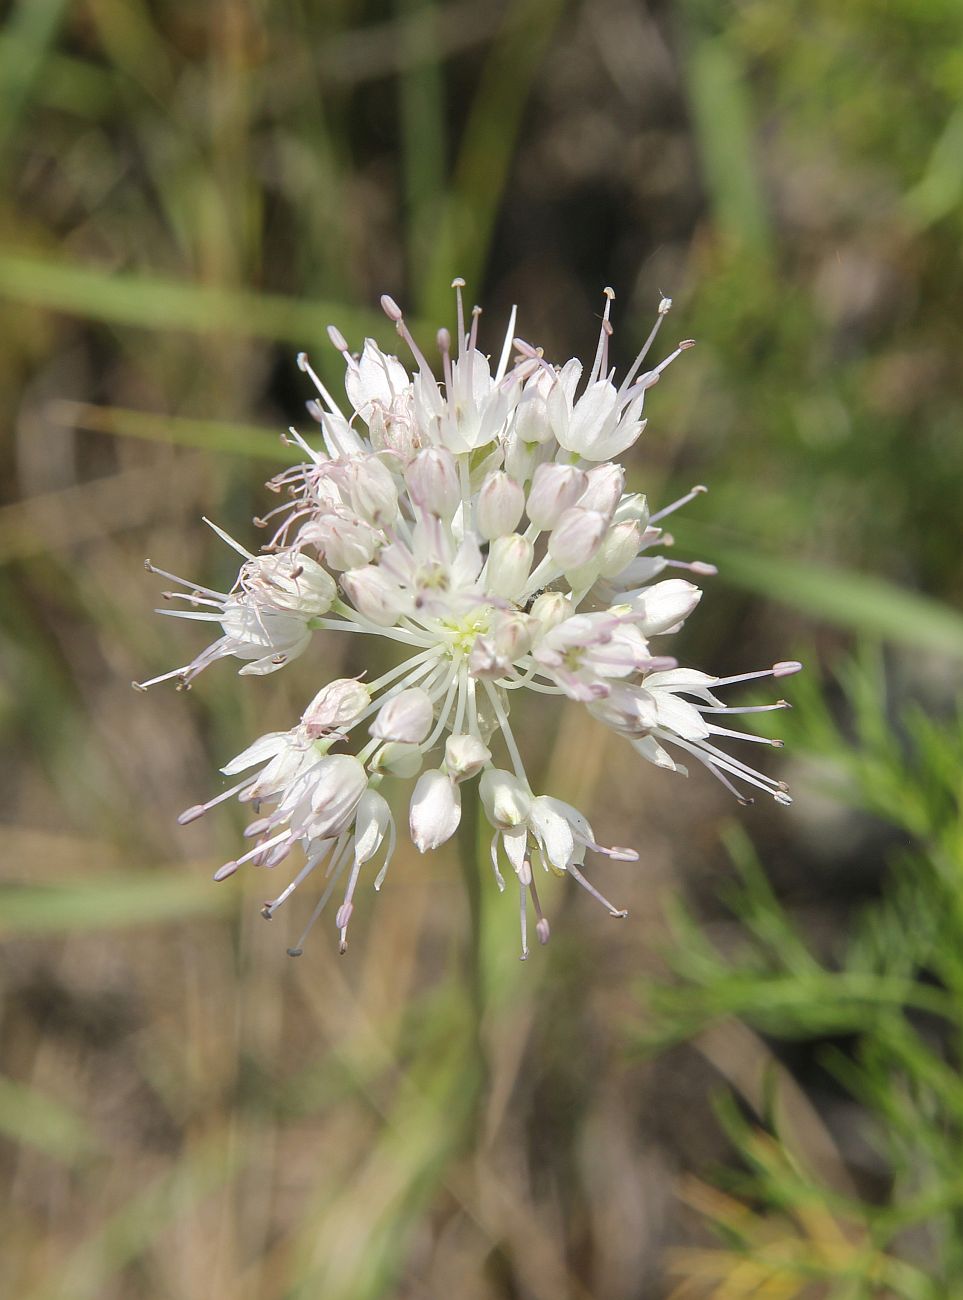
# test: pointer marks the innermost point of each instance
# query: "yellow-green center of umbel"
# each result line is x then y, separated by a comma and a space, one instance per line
460, 634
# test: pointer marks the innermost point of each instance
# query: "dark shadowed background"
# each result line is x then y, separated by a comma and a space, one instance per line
759, 1097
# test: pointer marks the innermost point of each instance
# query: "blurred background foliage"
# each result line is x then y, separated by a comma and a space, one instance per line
754, 1092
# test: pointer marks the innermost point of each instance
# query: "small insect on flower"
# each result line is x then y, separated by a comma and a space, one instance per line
481, 523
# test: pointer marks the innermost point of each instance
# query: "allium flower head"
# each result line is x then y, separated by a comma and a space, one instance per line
481, 523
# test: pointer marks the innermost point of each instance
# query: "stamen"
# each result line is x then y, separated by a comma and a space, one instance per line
299, 441
458, 284
746, 735
305, 365
298, 948
268, 910
590, 889
506, 353
601, 352
511, 746
339, 342
626, 383
523, 916
391, 309
677, 505
406, 334
541, 926
164, 677
784, 669
701, 567
747, 708
262, 848
172, 577
444, 347
652, 377
473, 337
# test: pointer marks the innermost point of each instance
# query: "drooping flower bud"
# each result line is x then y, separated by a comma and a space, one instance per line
435, 810
405, 717
398, 759
465, 756
335, 706
506, 801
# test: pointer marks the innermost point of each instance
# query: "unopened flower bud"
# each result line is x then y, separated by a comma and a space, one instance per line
398, 759
500, 505
432, 479
577, 537
509, 564
345, 542
335, 706
603, 492
373, 594
373, 492
532, 422
665, 605
550, 608
554, 489
405, 717
506, 801
465, 756
435, 810
620, 546
633, 506
511, 632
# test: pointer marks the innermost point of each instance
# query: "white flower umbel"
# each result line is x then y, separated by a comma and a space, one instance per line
479, 522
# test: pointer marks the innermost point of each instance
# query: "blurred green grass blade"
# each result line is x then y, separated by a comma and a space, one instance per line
424, 1130
29, 34
203, 1168
722, 113
940, 189
71, 85
108, 901
152, 302
422, 103
485, 156
177, 430
859, 602
29, 1116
